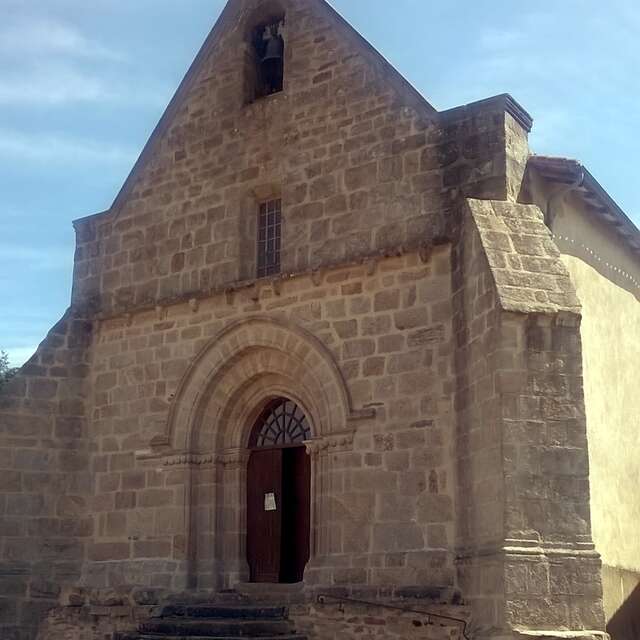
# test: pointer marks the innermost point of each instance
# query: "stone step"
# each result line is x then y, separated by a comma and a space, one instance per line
238, 628
268, 593
155, 636
228, 597
219, 611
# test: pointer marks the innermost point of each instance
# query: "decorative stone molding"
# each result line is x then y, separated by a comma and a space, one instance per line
368, 413
233, 458
528, 547
334, 443
253, 335
229, 290
170, 458
189, 459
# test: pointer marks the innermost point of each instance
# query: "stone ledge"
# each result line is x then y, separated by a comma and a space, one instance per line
254, 286
503, 102
559, 635
525, 263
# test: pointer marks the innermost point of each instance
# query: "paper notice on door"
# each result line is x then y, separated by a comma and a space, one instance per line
269, 501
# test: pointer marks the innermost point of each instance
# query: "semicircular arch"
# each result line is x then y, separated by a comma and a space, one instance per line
247, 363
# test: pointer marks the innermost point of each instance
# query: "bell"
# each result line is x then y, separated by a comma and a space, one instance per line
274, 48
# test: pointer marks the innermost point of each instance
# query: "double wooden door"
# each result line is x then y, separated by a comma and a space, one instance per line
278, 514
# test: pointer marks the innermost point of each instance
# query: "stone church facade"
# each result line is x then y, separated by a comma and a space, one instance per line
328, 335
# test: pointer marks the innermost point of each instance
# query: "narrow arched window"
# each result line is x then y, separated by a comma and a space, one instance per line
269, 237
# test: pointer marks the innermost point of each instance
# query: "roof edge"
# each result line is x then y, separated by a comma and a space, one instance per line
402, 81
91, 217
560, 167
503, 101
172, 107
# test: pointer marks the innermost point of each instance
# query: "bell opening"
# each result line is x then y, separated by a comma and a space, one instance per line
269, 57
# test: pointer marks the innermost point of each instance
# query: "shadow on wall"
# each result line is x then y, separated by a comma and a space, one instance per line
625, 623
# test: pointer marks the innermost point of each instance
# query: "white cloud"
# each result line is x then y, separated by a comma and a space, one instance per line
52, 86
47, 37
36, 258
62, 149
52, 63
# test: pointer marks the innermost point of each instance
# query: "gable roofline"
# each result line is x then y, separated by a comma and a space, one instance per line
401, 84
572, 172
172, 108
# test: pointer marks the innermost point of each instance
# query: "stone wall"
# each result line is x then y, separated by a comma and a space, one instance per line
95, 614
525, 550
400, 620
44, 478
385, 510
479, 476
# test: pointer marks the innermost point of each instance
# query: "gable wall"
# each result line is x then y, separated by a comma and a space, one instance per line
360, 164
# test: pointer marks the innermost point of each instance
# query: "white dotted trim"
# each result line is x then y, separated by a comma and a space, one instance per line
597, 258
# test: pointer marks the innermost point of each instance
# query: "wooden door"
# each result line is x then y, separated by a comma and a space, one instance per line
296, 513
264, 515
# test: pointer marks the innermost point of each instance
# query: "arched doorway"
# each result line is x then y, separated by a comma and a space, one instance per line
278, 494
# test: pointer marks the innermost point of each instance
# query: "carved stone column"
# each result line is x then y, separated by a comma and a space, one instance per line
231, 517
323, 484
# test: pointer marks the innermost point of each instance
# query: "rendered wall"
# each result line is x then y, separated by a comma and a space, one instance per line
611, 339
607, 279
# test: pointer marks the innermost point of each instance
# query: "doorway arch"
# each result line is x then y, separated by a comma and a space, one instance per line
279, 494
216, 404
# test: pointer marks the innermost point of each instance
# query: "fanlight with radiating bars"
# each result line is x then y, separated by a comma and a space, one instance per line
282, 423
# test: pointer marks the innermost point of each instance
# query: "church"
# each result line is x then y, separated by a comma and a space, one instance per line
336, 365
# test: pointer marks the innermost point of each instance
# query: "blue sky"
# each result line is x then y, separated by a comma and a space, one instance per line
82, 84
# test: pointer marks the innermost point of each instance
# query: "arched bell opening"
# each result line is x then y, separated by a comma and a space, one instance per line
279, 494
265, 51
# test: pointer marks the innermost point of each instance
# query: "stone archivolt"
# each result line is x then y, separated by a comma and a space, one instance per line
249, 362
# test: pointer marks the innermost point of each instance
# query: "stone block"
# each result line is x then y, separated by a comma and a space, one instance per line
434, 508
69, 427
152, 549
411, 318
10, 481
346, 328
361, 177
386, 300
397, 536
156, 498
108, 551
358, 348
